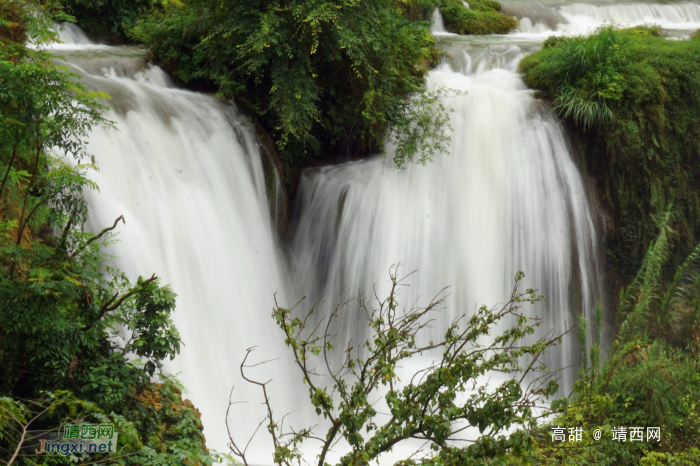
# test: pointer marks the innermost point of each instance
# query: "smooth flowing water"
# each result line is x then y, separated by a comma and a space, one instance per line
185, 171
507, 198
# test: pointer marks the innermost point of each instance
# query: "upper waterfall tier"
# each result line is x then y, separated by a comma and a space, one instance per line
581, 17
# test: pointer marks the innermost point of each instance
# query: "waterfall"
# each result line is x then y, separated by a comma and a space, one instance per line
438, 23
578, 18
507, 198
185, 171
681, 14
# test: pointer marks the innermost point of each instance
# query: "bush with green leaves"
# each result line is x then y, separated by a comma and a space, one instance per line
351, 385
650, 377
109, 19
479, 18
323, 77
482, 17
631, 99
62, 307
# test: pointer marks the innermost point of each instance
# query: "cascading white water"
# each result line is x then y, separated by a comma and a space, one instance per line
184, 170
683, 15
438, 23
578, 18
507, 198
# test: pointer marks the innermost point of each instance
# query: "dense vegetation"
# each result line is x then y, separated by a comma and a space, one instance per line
325, 78
632, 101
477, 17
482, 17
650, 377
60, 302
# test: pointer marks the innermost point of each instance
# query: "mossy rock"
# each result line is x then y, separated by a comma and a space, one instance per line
482, 17
631, 100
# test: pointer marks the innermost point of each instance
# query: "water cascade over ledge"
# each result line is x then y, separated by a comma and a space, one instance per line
185, 171
507, 198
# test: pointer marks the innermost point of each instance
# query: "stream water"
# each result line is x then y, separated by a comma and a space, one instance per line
185, 171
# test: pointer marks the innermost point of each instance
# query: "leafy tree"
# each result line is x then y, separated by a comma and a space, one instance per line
60, 302
323, 76
437, 404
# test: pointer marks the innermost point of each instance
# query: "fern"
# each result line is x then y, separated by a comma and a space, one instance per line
641, 293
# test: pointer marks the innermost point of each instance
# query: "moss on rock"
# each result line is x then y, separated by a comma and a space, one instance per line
631, 99
478, 18
482, 17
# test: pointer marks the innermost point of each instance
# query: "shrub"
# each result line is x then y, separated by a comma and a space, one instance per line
482, 17
108, 19
632, 101
322, 77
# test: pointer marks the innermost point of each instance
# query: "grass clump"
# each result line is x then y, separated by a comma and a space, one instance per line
632, 101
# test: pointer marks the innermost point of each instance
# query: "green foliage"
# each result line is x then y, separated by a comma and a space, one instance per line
651, 377
156, 430
110, 18
637, 299
632, 100
651, 308
436, 402
482, 17
639, 386
41, 106
323, 77
417, 128
60, 302
20, 19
